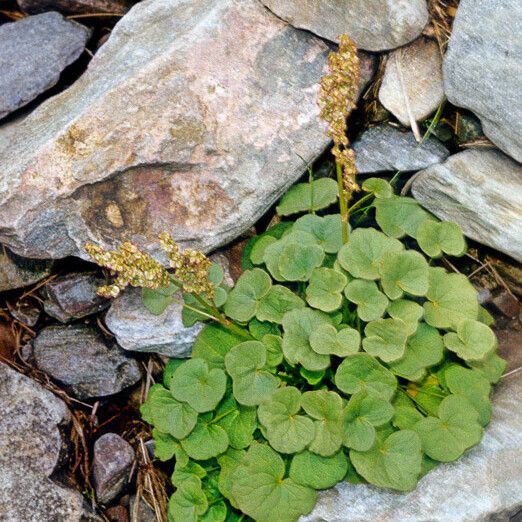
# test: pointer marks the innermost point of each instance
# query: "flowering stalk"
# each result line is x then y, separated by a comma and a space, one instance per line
337, 96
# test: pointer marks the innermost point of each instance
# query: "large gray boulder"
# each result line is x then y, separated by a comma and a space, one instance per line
484, 485
33, 53
483, 66
374, 25
17, 272
31, 420
481, 190
193, 118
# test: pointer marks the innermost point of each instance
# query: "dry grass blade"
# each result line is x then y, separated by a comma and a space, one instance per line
442, 14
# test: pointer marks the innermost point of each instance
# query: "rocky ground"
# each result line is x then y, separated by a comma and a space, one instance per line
119, 119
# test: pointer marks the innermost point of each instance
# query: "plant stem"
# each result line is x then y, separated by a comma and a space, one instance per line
343, 206
356, 205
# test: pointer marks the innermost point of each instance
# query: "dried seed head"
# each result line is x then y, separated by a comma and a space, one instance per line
337, 96
131, 266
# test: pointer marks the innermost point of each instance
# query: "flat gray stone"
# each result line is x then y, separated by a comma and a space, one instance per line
33, 53
75, 6
483, 66
481, 190
113, 458
17, 271
31, 420
74, 296
386, 148
193, 118
80, 358
484, 485
374, 25
412, 81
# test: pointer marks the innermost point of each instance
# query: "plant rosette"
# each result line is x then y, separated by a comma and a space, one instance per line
358, 361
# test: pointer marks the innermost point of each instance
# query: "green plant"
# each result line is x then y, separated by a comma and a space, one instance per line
358, 360
339, 354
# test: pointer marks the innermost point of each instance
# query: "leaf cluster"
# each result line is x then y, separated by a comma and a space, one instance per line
361, 361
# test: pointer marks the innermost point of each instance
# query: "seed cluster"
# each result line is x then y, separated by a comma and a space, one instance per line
338, 93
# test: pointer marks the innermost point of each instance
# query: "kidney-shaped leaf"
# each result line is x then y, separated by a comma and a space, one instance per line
262, 492
393, 462
274, 305
371, 302
206, 440
398, 216
363, 412
407, 311
302, 197
446, 437
287, 432
251, 383
404, 272
315, 471
379, 187
386, 339
188, 502
213, 343
363, 254
298, 326
327, 340
297, 261
438, 238
491, 367
473, 340
192, 382
327, 230
324, 289
243, 300
238, 421
362, 372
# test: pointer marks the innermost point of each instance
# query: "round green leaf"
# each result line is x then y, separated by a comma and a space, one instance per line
251, 383
213, 343
303, 197
259, 329
186, 471
207, 440
263, 493
398, 216
438, 238
406, 415
473, 386
362, 413
425, 348
404, 272
228, 462
327, 230
324, 289
371, 302
166, 447
408, 312
273, 252
363, 254
327, 340
286, 431
192, 382
169, 415
187, 502
297, 261
491, 367
473, 340
238, 421
451, 299
274, 305
362, 372
446, 437
298, 326
386, 339
258, 250
243, 300
317, 472
216, 513
393, 462
379, 187
326, 407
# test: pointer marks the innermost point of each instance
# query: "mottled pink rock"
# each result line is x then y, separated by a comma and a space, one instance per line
192, 118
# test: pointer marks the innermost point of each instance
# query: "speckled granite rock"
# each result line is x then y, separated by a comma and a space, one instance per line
33, 53
374, 25
412, 81
386, 148
480, 189
75, 6
30, 446
484, 485
81, 359
483, 65
17, 272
